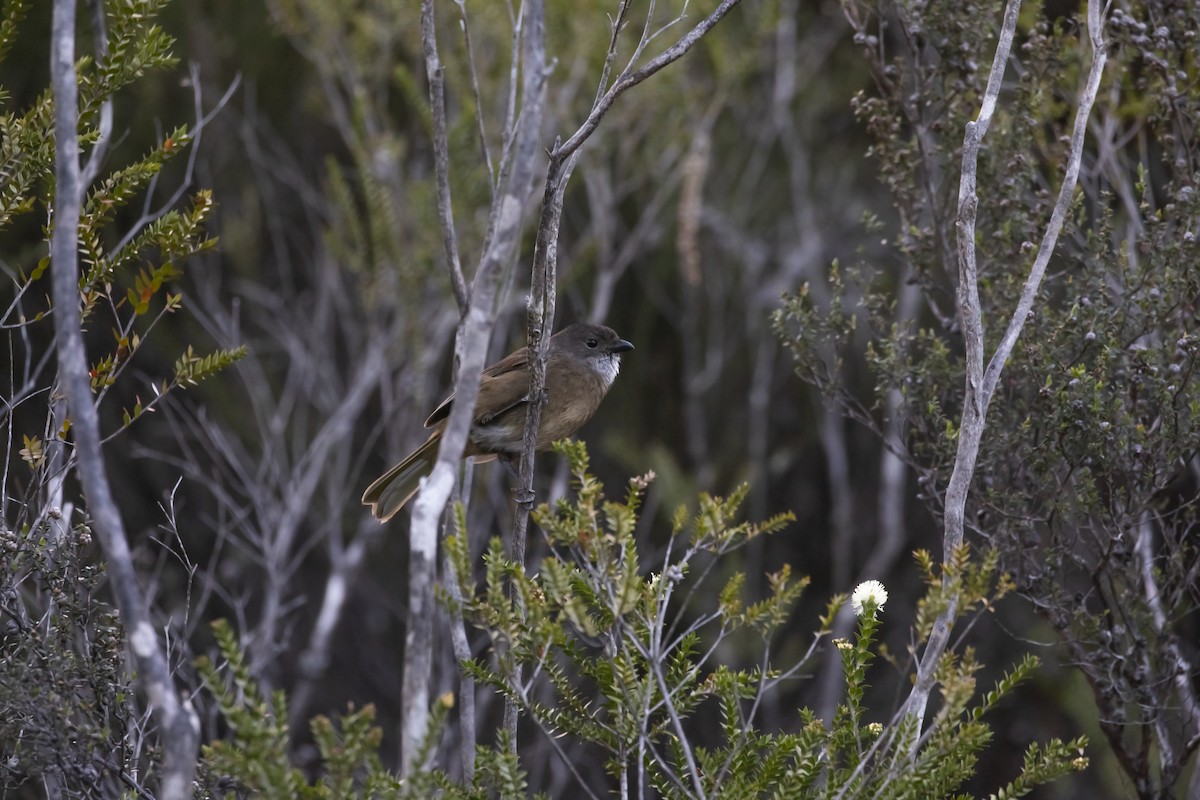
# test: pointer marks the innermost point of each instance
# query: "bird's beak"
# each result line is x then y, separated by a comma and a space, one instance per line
621, 346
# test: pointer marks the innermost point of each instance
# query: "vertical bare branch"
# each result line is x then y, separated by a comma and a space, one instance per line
543, 285
540, 311
441, 153
100, 35
1062, 205
1182, 674
179, 728
974, 406
462, 652
470, 351
485, 152
981, 385
558, 172
315, 658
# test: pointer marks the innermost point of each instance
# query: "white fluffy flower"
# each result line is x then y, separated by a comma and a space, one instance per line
868, 590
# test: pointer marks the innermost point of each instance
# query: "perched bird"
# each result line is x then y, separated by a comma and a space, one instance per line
581, 365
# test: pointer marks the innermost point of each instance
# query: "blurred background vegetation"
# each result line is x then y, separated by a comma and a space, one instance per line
735, 176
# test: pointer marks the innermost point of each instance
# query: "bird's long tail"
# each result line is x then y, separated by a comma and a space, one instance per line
394, 488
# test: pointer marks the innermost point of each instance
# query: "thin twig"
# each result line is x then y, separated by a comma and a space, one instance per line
484, 151
676, 723
630, 79
92, 168
553, 740
202, 120
441, 153
540, 308
610, 55
1062, 205
563, 157
462, 653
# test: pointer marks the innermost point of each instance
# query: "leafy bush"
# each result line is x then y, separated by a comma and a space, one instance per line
1086, 481
71, 721
68, 718
600, 655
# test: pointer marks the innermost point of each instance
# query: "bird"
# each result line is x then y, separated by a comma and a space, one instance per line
581, 364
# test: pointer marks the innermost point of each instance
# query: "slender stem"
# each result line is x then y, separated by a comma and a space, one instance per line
179, 729
630, 79
971, 427
541, 315
981, 385
92, 168
462, 653
470, 352
1062, 206
441, 153
485, 152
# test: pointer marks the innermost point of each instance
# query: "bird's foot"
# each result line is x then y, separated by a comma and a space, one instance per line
511, 463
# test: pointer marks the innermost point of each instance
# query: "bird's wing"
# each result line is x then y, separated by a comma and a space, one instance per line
504, 385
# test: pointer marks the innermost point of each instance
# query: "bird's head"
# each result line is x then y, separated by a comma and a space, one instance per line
598, 346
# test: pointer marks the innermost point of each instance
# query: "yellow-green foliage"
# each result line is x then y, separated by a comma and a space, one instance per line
628, 661
623, 671
69, 713
253, 758
126, 272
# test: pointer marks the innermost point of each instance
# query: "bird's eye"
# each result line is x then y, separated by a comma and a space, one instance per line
592, 343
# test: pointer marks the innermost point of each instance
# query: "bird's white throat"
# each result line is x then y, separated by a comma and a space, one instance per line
607, 368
